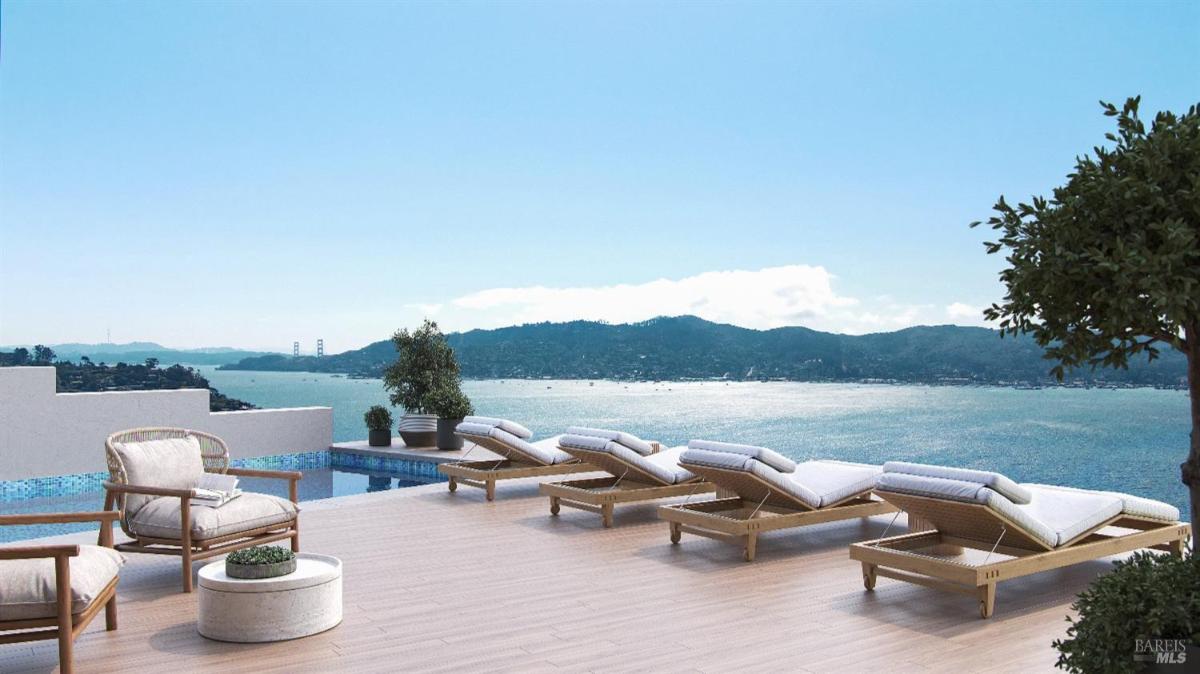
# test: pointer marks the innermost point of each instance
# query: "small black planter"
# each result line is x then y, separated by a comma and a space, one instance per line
382, 438
446, 439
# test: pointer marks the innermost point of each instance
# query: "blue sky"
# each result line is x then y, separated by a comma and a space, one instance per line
250, 174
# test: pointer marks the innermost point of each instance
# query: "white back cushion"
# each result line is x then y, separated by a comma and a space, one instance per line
509, 426
770, 457
174, 463
631, 441
995, 481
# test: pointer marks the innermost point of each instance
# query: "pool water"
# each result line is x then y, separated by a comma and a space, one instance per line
319, 482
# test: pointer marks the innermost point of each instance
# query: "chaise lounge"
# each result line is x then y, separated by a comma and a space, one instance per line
988, 528
640, 471
518, 457
772, 492
152, 472
54, 591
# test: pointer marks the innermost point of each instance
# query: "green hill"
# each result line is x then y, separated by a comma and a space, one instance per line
687, 347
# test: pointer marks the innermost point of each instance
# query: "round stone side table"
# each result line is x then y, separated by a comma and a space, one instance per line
304, 602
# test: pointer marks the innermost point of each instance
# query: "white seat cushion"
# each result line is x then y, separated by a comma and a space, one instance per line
770, 457
27, 586
544, 452
834, 481
173, 463
494, 422
631, 441
1135, 506
994, 481
160, 517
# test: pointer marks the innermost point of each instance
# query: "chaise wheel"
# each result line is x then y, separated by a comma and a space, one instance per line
453, 486
868, 582
983, 610
554, 508
675, 535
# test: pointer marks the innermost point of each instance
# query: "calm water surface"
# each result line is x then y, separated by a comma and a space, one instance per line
1128, 440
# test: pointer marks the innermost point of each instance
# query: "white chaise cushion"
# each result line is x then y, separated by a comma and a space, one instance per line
994, 481
172, 463
27, 586
160, 517
545, 452
1134, 506
1053, 516
770, 457
663, 465
817, 484
631, 441
494, 422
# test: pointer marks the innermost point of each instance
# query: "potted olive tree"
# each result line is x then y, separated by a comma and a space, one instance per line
424, 359
450, 404
379, 426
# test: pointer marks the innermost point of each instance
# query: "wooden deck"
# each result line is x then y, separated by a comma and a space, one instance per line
435, 581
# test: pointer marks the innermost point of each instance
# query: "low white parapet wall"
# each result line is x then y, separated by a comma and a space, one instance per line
44, 433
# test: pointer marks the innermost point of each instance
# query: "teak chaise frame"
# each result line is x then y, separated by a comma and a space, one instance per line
485, 474
978, 527
628, 483
758, 508
65, 626
215, 454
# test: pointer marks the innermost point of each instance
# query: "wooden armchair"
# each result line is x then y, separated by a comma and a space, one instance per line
151, 475
29, 613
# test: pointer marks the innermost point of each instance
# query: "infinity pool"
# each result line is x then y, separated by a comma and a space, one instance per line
326, 474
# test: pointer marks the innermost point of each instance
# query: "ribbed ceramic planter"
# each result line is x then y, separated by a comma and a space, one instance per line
256, 571
446, 438
418, 430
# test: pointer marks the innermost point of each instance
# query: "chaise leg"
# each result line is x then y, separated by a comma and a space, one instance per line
606, 515
62, 588
1177, 546
554, 507
296, 535
987, 600
110, 613
453, 485
491, 490
868, 571
751, 545
676, 532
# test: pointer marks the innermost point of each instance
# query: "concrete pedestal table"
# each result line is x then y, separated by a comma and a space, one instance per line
304, 602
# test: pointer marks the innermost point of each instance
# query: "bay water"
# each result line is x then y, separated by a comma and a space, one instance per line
1130, 440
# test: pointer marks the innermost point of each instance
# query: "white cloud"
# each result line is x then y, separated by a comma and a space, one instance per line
767, 298
960, 312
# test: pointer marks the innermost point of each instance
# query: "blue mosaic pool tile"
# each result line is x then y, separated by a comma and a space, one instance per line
383, 464
58, 485
301, 461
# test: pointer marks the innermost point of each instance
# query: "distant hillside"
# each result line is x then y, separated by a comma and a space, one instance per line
687, 347
138, 352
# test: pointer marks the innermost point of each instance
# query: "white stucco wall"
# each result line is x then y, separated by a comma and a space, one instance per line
43, 433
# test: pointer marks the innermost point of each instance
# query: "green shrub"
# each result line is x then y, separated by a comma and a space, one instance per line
378, 418
1147, 596
262, 554
424, 361
447, 400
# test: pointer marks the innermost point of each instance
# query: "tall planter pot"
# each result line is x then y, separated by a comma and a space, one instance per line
418, 430
379, 438
446, 438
